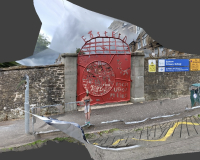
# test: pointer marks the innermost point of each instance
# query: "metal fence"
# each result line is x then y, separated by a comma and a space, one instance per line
57, 108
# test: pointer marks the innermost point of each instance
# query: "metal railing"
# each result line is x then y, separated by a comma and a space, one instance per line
34, 110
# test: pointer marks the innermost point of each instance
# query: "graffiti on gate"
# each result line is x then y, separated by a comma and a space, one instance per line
98, 78
104, 69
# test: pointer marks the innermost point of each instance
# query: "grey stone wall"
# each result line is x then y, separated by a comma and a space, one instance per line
168, 85
46, 87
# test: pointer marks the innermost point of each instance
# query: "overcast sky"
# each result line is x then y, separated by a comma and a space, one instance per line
65, 23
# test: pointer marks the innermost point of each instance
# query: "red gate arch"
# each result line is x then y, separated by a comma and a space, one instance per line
104, 69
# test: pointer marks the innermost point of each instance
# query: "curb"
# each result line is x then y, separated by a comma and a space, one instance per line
37, 144
106, 106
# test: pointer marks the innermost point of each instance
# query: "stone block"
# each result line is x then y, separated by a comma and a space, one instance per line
70, 107
137, 62
137, 71
138, 81
137, 92
70, 65
136, 100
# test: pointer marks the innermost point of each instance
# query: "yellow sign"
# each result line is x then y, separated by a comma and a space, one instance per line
152, 65
194, 64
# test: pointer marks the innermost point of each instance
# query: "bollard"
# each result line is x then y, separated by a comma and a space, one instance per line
26, 105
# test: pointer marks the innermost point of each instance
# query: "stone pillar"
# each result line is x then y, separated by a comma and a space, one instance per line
70, 72
137, 76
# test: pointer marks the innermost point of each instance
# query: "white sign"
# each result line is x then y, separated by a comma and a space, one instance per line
161, 69
161, 62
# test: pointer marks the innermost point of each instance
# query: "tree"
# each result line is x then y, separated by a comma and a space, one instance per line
9, 64
78, 50
42, 43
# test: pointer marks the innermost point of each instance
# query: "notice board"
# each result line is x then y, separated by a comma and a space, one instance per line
194, 64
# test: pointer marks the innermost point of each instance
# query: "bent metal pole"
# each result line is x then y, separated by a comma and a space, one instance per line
26, 105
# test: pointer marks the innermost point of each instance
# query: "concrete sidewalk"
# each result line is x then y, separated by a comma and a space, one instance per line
12, 133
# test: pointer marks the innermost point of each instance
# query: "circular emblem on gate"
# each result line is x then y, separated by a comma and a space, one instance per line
98, 78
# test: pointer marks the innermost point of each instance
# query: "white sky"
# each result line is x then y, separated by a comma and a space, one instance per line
54, 12
65, 23
50, 13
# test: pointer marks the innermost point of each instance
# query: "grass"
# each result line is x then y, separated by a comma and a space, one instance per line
68, 139
36, 142
11, 148
108, 131
138, 129
112, 130
103, 132
60, 139
4, 149
196, 116
89, 135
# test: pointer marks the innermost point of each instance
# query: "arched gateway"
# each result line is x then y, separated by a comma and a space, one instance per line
104, 68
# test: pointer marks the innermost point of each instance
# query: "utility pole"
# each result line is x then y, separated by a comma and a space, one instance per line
26, 105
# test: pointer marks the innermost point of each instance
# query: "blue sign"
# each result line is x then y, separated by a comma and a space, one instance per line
173, 62
176, 69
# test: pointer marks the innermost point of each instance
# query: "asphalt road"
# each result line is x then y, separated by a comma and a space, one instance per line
154, 134
174, 137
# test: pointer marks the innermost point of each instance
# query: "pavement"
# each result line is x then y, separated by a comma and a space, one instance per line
176, 123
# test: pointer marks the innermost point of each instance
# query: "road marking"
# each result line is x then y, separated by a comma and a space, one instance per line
117, 141
117, 149
95, 143
170, 131
167, 135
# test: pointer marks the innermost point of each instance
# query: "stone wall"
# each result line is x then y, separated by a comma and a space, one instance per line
168, 84
46, 87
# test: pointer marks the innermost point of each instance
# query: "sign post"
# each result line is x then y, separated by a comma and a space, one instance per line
26, 105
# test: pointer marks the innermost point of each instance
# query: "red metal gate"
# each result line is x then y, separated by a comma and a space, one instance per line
104, 68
